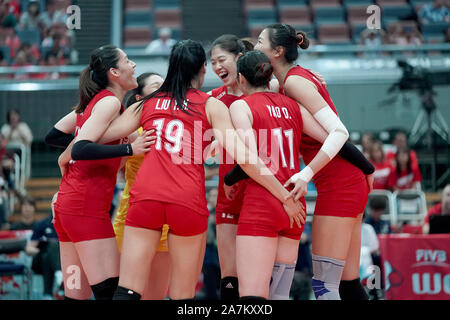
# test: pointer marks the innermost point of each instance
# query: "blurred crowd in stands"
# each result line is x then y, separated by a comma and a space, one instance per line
33, 35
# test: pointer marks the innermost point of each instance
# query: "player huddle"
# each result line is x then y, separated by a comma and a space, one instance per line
268, 114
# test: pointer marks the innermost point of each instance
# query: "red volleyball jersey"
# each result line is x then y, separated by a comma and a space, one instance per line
87, 187
277, 123
172, 171
338, 172
224, 205
405, 180
381, 174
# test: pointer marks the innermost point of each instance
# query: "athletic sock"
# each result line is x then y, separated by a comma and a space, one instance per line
352, 290
126, 294
105, 289
327, 275
281, 281
229, 289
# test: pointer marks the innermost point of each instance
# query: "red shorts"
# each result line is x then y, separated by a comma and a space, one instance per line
348, 201
227, 211
78, 228
182, 221
263, 215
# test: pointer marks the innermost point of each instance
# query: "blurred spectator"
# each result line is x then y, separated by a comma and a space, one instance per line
52, 60
367, 140
163, 44
44, 247
211, 267
442, 208
435, 12
27, 213
372, 38
377, 207
13, 7
7, 163
405, 176
400, 141
302, 286
13, 42
3, 61
52, 15
7, 19
404, 35
383, 168
58, 45
31, 19
16, 131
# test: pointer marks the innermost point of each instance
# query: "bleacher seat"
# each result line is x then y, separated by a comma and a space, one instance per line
261, 16
30, 36
328, 15
395, 13
333, 33
434, 29
298, 15
324, 3
255, 4
138, 4
291, 3
157, 4
350, 3
137, 36
167, 17
411, 206
138, 18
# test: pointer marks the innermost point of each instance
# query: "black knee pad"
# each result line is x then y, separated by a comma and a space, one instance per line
126, 294
229, 289
105, 289
352, 290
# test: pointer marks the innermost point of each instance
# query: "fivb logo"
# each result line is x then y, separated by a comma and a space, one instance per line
374, 21
74, 19
427, 283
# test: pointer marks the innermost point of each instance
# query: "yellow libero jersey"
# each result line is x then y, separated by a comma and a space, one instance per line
131, 168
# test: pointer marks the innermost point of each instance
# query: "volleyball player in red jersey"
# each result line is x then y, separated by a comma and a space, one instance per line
169, 186
342, 188
267, 247
87, 241
225, 51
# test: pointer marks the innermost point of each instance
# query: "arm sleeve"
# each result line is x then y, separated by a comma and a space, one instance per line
87, 150
57, 138
351, 153
235, 175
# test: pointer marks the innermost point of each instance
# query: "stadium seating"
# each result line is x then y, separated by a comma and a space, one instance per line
411, 206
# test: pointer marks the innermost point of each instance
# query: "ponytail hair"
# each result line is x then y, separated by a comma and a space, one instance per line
256, 68
232, 44
94, 78
284, 35
141, 80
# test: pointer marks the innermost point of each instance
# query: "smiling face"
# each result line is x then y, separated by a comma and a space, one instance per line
264, 45
152, 84
224, 65
125, 72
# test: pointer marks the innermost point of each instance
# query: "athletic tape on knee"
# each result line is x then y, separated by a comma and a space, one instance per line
282, 277
327, 276
337, 133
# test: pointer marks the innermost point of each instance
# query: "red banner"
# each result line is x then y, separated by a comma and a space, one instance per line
416, 267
